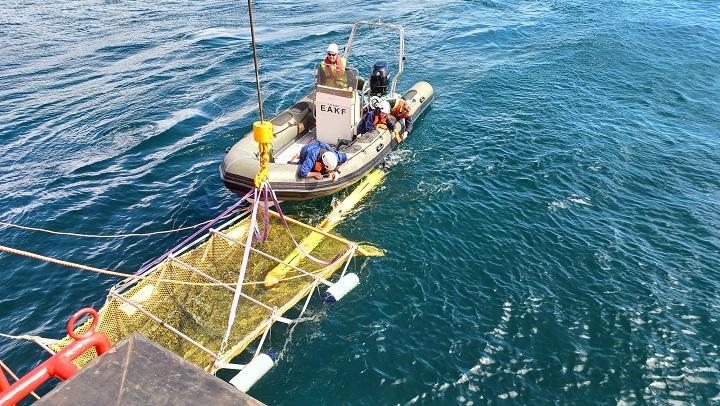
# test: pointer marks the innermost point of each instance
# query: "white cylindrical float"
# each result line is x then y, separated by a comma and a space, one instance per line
341, 288
252, 372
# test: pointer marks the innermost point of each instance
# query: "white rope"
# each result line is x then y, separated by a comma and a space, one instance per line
44, 230
243, 268
265, 334
41, 341
307, 302
353, 248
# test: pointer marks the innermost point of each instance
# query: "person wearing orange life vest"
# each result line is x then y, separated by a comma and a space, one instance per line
318, 159
332, 68
401, 112
380, 118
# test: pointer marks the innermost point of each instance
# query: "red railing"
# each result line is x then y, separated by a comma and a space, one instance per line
4, 384
59, 365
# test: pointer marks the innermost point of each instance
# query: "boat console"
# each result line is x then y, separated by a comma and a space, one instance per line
338, 104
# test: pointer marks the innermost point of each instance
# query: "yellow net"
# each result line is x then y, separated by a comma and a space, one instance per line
201, 312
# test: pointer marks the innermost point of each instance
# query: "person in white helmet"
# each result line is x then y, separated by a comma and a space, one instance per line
318, 159
380, 119
332, 69
373, 104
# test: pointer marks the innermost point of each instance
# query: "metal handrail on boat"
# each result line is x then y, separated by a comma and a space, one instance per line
401, 53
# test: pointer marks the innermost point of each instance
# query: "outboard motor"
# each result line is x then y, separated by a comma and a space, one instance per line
379, 79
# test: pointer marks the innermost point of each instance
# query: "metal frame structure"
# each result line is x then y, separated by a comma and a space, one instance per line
222, 358
401, 53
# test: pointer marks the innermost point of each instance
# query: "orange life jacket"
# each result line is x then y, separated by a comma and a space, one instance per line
401, 109
381, 122
334, 70
318, 166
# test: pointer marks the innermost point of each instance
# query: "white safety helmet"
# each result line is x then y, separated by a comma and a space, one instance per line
385, 107
375, 102
333, 48
330, 160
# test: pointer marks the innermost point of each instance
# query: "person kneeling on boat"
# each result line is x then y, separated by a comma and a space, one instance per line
401, 112
318, 159
380, 118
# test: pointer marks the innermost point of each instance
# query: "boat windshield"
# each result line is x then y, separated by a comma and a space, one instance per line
331, 76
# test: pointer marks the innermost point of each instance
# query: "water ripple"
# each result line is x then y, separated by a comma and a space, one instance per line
551, 226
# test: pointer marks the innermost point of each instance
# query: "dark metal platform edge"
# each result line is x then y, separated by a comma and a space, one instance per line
139, 372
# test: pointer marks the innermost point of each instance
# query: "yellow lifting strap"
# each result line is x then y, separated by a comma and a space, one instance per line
263, 132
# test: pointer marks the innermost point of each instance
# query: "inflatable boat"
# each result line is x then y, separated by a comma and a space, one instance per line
331, 113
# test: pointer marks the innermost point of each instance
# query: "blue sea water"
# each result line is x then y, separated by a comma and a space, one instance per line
551, 226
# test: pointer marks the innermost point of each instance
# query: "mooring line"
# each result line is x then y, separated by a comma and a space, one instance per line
45, 230
101, 271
